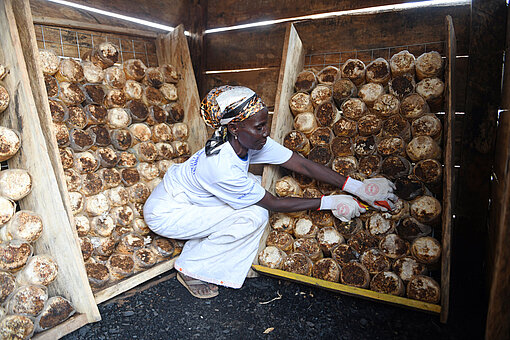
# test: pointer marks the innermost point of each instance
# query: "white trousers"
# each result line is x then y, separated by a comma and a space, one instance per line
222, 241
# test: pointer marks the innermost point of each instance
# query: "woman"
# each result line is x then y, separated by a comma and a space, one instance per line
213, 202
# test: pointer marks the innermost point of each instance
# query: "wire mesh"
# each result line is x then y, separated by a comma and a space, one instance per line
68, 43
323, 59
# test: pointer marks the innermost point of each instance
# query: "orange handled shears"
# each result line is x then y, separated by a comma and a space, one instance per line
383, 204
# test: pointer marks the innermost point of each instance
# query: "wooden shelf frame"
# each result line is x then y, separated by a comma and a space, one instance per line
29, 113
24, 114
293, 60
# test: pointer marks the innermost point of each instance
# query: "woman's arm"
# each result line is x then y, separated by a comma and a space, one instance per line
308, 168
314, 170
288, 204
378, 192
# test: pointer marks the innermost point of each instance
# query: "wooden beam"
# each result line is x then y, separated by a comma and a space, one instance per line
73, 323
126, 284
448, 158
196, 39
487, 41
352, 291
59, 22
482, 103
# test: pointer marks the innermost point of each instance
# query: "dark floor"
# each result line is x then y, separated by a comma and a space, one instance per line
265, 308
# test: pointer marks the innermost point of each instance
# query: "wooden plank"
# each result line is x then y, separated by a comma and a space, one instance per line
352, 291
448, 185
73, 323
59, 22
160, 12
31, 54
224, 13
133, 281
262, 46
22, 114
498, 314
264, 82
173, 48
292, 62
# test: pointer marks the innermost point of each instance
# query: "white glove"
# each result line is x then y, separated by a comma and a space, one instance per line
378, 192
343, 207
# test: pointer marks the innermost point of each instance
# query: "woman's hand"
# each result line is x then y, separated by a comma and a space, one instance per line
343, 207
378, 192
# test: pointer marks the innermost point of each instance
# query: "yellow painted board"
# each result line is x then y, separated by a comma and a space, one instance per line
344, 289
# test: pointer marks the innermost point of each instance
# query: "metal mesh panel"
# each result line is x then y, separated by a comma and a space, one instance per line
69, 43
321, 60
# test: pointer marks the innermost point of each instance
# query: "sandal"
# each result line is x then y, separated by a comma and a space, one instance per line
193, 282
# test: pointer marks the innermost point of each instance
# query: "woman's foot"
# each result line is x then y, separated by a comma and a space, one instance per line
198, 288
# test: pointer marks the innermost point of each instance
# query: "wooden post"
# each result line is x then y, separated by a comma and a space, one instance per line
487, 38
293, 59
498, 313
448, 158
197, 20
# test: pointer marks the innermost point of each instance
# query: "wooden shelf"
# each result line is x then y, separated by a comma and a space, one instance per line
29, 113
292, 63
58, 238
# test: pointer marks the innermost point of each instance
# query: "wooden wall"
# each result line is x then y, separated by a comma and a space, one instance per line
171, 13
224, 13
261, 47
498, 314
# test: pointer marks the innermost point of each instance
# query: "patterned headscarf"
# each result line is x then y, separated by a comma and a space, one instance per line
226, 104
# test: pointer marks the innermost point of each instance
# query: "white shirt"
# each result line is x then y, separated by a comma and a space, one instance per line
223, 178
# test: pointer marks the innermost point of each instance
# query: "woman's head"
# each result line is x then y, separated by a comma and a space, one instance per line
229, 106
252, 132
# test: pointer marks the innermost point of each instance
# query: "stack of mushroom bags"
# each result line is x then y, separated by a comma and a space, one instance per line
367, 121
25, 306
119, 128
